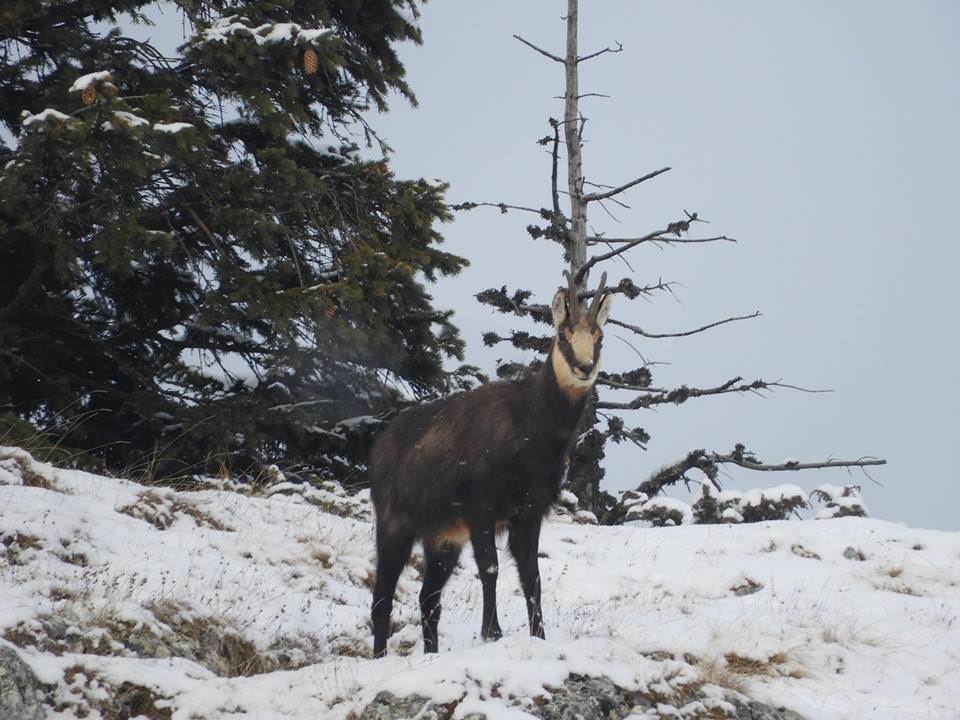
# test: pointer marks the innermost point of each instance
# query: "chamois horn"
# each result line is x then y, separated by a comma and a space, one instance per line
573, 298
597, 300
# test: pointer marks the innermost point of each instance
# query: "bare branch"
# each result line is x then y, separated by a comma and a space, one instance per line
584, 58
626, 186
744, 462
676, 228
640, 331
708, 462
582, 95
541, 51
599, 239
618, 251
554, 157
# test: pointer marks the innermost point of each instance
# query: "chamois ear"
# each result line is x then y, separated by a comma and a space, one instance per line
559, 308
604, 311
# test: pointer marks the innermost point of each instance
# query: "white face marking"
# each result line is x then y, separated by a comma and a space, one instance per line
582, 340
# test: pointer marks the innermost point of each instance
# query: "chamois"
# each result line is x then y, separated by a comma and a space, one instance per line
469, 465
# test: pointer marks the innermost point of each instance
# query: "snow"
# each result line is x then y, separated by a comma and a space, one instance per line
267, 34
129, 119
668, 504
288, 569
173, 127
85, 81
279, 32
773, 494
311, 36
43, 116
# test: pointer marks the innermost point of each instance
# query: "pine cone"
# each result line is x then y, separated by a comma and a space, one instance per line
89, 95
330, 311
310, 61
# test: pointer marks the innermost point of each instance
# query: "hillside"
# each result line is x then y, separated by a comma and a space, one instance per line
126, 601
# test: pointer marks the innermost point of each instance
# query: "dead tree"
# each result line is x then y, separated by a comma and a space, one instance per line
602, 420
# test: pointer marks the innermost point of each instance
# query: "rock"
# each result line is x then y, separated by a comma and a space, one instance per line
19, 688
753, 710
387, 706
587, 698
851, 553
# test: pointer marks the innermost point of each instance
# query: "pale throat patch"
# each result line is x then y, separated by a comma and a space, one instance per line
570, 384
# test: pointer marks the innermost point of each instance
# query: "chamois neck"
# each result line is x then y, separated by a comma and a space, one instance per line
562, 399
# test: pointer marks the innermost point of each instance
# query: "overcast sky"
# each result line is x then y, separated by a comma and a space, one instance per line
823, 136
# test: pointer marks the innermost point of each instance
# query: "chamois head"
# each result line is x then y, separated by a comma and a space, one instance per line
576, 351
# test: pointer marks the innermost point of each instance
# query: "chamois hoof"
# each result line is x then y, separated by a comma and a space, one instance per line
494, 634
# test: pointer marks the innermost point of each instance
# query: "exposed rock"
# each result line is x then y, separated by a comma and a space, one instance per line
204, 640
590, 698
587, 697
851, 553
386, 706
753, 710
19, 688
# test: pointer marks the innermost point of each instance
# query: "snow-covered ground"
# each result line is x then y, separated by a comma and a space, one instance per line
265, 598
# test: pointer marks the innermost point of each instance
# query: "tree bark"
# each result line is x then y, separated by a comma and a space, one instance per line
577, 242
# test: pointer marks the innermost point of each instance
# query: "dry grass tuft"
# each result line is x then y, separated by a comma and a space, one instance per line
18, 465
715, 671
88, 692
776, 665
13, 545
161, 511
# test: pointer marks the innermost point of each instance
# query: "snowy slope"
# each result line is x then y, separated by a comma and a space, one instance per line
263, 602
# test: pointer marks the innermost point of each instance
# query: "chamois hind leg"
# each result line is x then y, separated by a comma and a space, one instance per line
482, 537
393, 551
524, 545
440, 560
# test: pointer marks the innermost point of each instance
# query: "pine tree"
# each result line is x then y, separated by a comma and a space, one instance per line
199, 262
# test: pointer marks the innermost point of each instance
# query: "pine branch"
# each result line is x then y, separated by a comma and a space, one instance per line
503, 207
678, 396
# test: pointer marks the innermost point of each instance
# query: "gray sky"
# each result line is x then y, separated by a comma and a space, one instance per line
823, 136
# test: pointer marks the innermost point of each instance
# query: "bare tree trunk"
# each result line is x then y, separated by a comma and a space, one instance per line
577, 243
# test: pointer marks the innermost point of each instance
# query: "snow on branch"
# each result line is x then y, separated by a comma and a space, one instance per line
224, 28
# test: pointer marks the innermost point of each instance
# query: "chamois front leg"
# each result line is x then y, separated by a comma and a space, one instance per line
524, 545
393, 551
482, 537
